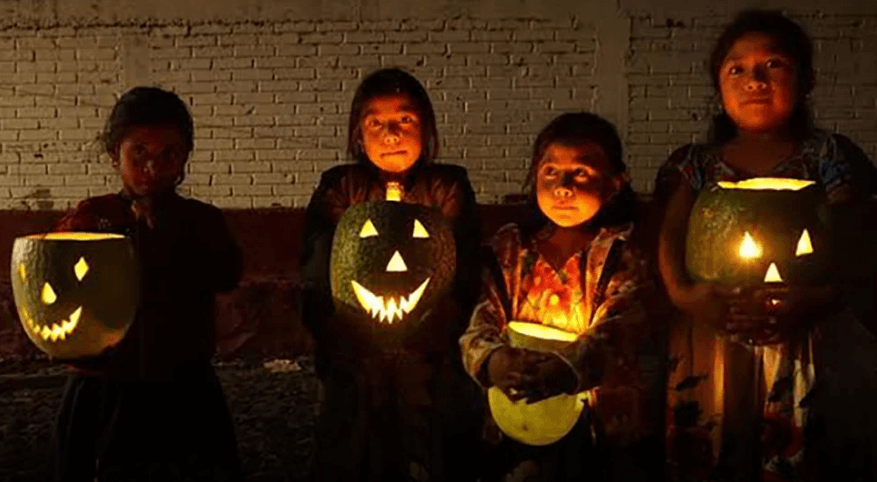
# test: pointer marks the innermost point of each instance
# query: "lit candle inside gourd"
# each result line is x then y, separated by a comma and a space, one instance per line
748, 248
394, 191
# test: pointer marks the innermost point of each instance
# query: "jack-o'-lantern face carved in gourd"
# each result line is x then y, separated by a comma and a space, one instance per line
391, 261
76, 293
762, 230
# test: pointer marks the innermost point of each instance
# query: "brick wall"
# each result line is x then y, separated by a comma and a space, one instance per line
672, 97
270, 94
270, 100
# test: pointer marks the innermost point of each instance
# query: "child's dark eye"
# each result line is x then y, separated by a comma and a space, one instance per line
549, 171
774, 63
580, 173
372, 123
735, 70
170, 156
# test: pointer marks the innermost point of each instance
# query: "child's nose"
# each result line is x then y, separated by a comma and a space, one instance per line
757, 81
755, 85
391, 136
149, 167
562, 192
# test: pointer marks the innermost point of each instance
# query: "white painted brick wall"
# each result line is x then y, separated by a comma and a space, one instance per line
271, 100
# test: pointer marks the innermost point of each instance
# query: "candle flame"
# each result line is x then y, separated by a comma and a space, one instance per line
773, 274
749, 249
394, 191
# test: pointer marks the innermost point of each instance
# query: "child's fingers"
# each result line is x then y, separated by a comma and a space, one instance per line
529, 381
727, 292
535, 396
515, 394
771, 291
531, 359
742, 322
512, 378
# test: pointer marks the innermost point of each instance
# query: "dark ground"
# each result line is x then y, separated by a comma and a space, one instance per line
273, 405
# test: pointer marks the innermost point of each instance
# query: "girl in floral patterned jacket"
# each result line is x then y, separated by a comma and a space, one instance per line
570, 266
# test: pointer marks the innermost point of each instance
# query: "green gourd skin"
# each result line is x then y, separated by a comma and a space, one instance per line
108, 293
365, 260
775, 219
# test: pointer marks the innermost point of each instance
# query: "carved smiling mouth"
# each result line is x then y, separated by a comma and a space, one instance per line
390, 308
55, 332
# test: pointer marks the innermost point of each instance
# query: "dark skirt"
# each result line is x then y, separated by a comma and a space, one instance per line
393, 418
138, 431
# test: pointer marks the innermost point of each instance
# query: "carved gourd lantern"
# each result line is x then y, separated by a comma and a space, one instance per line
758, 232
546, 421
390, 262
76, 293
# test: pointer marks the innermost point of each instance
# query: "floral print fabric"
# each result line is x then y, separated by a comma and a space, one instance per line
597, 294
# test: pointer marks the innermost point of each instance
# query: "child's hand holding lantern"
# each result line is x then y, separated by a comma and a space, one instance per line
750, 315
506, 368
712, 304
774, 313
530, 375
551, 376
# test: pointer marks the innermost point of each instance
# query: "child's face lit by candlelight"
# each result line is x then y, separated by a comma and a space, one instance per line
150, 159
759, 84
391, 132
572, 183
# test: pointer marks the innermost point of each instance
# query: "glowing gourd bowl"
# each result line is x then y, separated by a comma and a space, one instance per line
76, 293
546, 421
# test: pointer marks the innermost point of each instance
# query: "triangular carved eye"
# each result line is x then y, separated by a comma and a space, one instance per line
48, 295
804, 245
419, 230
368, 229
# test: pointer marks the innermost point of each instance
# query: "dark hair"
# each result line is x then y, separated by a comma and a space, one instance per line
575, 129
147, 106
792, 40
391, 82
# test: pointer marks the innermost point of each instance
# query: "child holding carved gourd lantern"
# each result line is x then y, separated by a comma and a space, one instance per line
152, 408
745, 401
571, 272
383, 236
